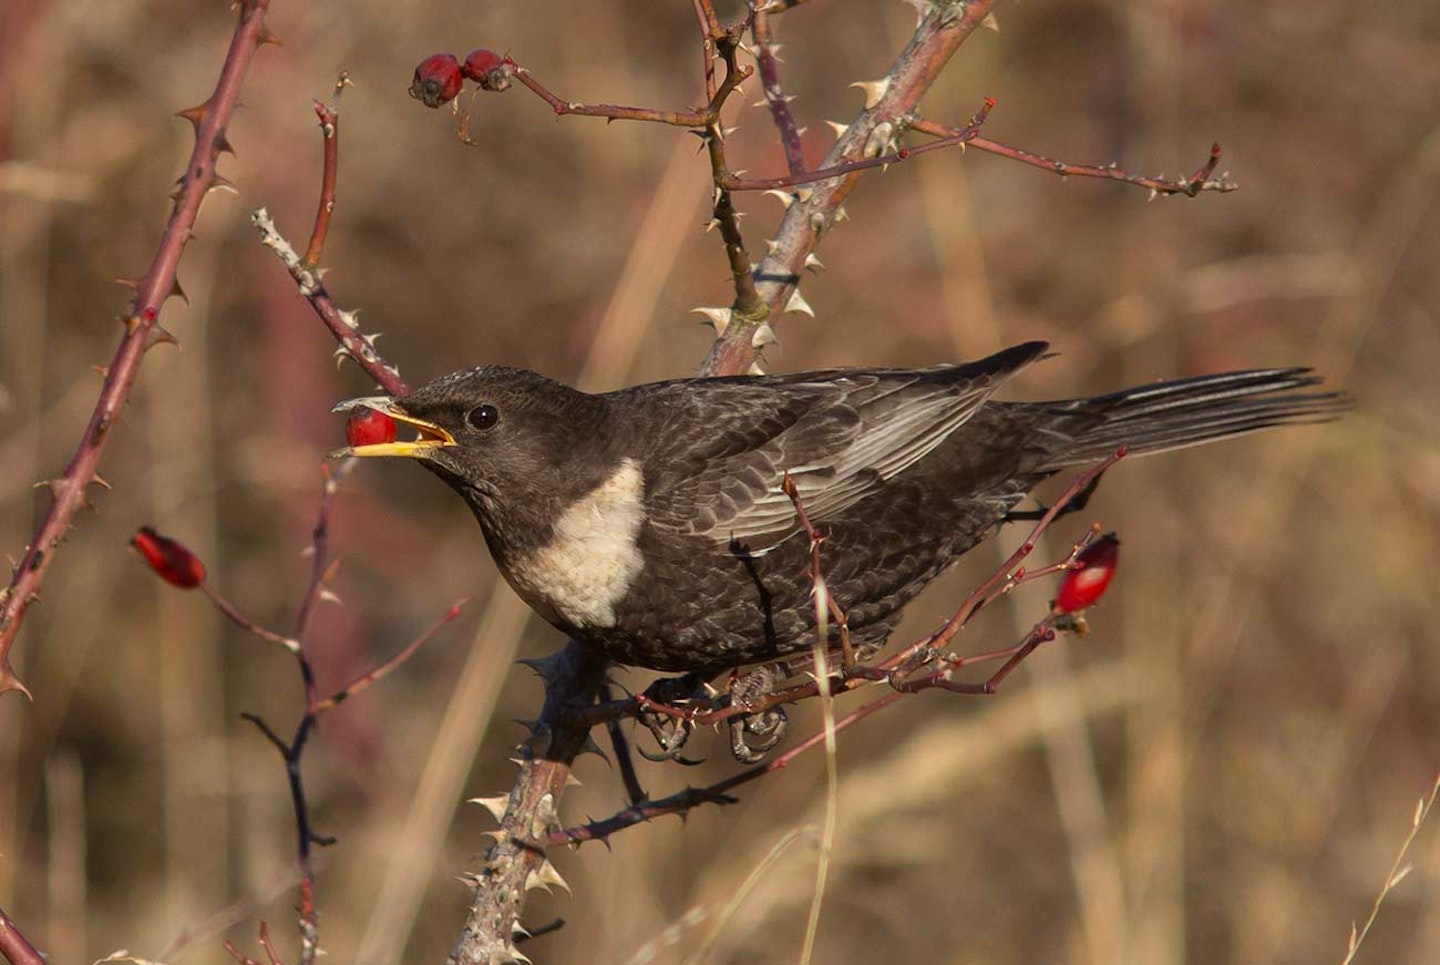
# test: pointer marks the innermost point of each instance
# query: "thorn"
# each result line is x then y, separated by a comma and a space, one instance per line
131, 283
267, 37
874, 90
222, 184
591, 747
549, 875
498, 835
716, 318
754, 369
813, 263
797, 303
765, 335
786, 198
881, 140
991, 22
176, 291
571, 780
159, 335
840, 215
495, 805
328, 596
351, 319
546, 668
711, 225
195, 115
771, 245
838, 128
223, 146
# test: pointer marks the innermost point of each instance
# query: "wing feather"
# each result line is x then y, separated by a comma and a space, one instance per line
839, 434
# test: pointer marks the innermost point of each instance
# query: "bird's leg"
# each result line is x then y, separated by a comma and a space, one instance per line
1075, 504
748, 689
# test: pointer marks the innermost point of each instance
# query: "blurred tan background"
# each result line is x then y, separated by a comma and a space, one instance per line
1221, 772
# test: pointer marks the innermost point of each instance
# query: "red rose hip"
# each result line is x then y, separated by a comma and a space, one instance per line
437, 80
488, 69
171, 560
367, 427
1094, 568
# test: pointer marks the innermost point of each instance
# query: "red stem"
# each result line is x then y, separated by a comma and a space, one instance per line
142, 330
15, 946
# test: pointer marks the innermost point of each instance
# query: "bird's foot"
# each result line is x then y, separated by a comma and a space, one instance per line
768, 726
667, 716
765, 725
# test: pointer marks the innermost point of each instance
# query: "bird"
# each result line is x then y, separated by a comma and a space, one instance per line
655, 523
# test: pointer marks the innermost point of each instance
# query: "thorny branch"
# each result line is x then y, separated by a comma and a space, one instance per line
344, 326
142, 329
15, 946
322, 572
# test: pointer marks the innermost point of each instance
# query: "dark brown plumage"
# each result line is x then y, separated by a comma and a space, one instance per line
651, 523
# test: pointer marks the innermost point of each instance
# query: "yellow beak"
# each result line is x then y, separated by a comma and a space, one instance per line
428, 436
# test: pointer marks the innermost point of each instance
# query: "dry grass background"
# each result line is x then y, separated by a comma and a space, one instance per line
1220, 773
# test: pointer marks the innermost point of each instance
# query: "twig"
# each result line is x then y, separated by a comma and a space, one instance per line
767, 57
1201, 180
15, 946
960, 136
329, 115
370, 677
748, 304
345, 326
717, 793
270, 957
142, 329
986, 591
292, 751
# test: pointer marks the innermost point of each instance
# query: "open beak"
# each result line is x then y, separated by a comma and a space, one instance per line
428, 437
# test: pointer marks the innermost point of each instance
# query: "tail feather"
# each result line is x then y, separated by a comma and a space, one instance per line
1188, 412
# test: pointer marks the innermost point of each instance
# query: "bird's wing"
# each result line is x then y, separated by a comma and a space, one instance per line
839, 435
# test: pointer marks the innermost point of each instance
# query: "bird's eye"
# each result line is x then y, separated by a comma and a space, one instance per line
483, 417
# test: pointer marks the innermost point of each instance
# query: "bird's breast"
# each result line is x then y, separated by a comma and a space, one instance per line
592, 557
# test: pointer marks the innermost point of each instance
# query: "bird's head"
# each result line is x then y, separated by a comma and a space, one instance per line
508, 440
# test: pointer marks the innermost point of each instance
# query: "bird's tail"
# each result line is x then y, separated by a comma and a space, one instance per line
1190, 412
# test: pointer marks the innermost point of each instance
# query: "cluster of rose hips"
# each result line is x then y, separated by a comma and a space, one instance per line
439, 77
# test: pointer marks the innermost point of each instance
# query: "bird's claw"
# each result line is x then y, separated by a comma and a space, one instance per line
768, 725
